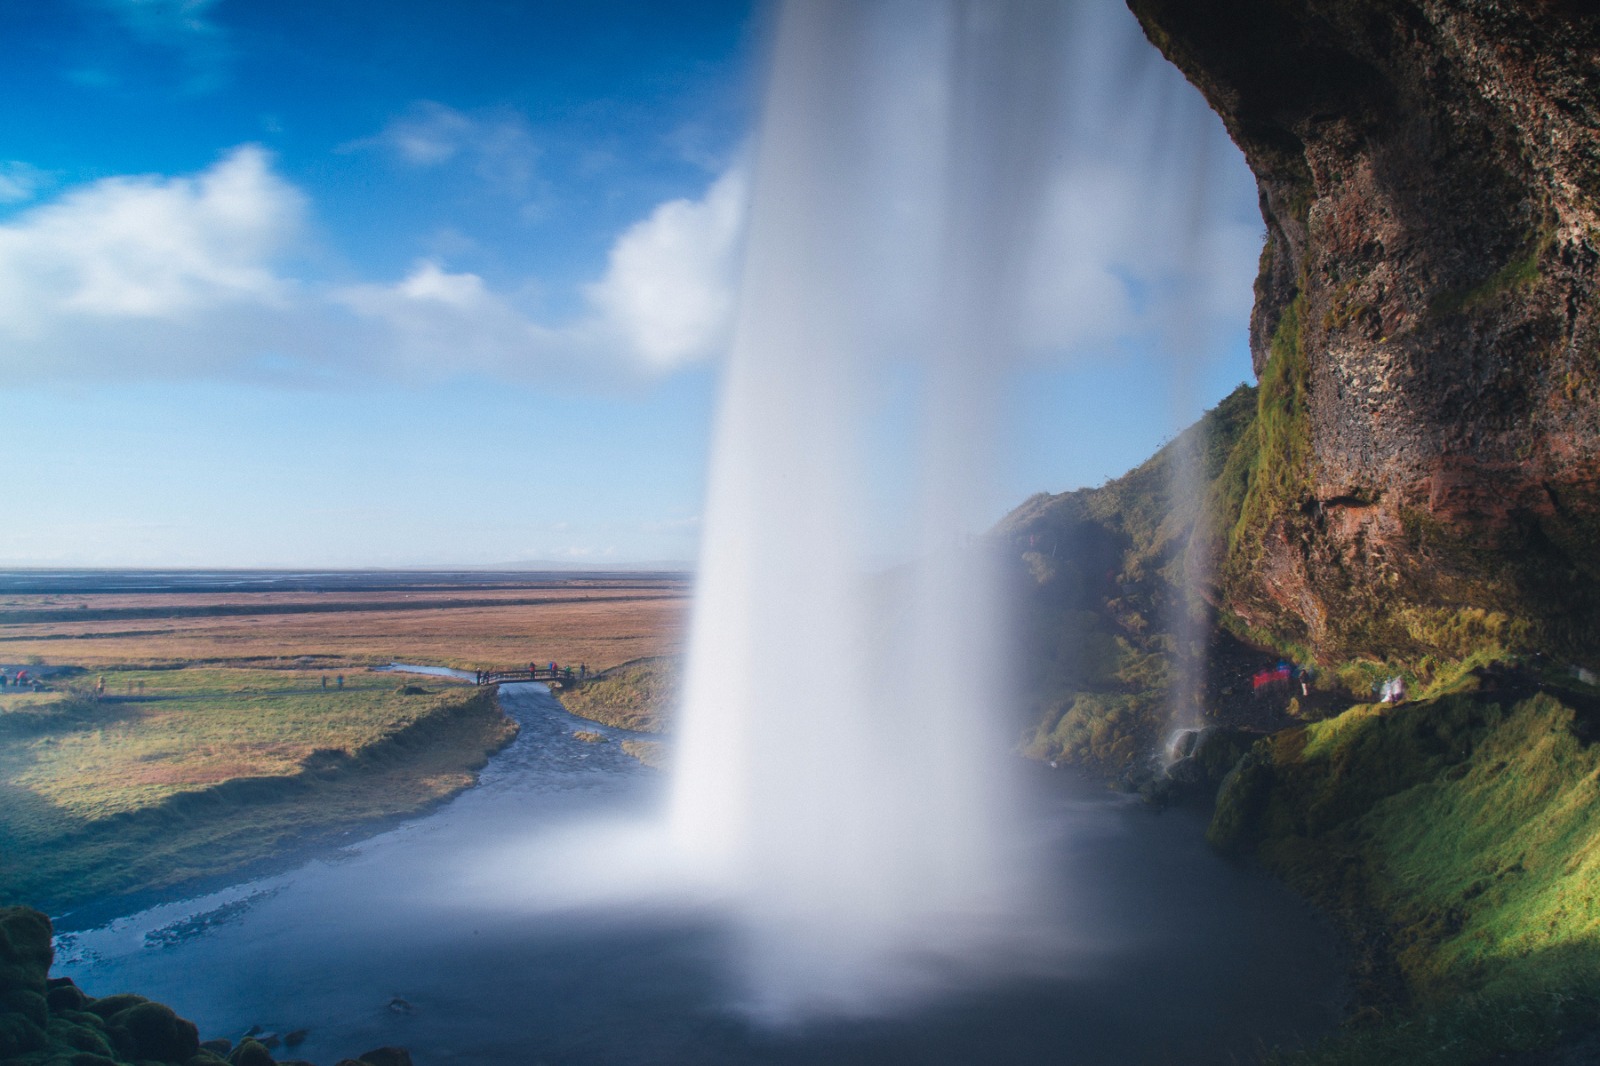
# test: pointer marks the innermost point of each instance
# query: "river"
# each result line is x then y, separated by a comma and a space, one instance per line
469, 935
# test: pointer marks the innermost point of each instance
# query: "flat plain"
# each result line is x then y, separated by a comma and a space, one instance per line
183, 732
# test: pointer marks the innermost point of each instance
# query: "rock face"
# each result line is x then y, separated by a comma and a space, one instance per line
1426, 328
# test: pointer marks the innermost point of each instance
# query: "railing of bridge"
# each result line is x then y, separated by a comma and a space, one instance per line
564, 675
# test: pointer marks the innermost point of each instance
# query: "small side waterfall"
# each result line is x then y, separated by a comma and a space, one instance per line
841, 760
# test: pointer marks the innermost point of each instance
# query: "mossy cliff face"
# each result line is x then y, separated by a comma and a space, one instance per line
1426, 329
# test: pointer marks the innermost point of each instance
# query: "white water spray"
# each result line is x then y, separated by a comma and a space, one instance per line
841, 756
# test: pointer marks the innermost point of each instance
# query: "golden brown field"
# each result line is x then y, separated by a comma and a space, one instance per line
215, 742
466, 627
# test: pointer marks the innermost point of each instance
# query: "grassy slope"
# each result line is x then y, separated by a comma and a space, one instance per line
215, 768
1103, 576
1459, 840
1458, 837
637, 695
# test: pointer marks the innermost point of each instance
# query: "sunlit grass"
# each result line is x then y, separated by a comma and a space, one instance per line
177, 773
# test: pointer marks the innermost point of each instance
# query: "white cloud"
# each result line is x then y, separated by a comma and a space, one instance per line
669, 287
151, 247
185, 276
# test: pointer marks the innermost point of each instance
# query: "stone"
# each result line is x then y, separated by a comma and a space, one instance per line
157, 1032
66, 996
116, 1004
386, 1056
250, 1053
25, 951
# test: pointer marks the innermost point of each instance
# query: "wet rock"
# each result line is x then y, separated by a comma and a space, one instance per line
270, 1041
400, 1006
296, 1038
250, 1053
386, 1056
218, 1047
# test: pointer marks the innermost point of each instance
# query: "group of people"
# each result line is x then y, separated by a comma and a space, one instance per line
20, 679
338, 680
564, 672
1282, 674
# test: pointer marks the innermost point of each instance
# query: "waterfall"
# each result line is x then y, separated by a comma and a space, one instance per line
841, 766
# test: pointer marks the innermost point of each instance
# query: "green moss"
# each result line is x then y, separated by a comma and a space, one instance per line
1520, 273
1469, 830
1277, 461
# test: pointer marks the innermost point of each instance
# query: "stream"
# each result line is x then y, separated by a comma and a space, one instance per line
474, 934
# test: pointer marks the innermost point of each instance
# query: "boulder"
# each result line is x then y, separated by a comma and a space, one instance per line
116, 1004
157, 1033
25, 951
64, 995
18, 1036
386, 1056
250, 1053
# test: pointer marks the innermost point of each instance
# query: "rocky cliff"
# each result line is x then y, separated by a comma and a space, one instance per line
1423, 475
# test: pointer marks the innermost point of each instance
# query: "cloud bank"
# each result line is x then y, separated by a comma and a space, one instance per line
138, 277
193, 276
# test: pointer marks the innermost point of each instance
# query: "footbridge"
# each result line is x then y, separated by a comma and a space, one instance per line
560, 677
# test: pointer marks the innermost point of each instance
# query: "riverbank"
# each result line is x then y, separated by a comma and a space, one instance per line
177, 777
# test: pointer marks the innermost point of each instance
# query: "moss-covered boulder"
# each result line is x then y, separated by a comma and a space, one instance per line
250, 1053
25, 951
155, 1032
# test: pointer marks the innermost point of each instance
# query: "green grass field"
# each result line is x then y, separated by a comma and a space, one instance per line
177, 774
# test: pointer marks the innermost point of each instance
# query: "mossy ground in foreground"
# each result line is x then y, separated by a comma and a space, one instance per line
1459, 839
178, 775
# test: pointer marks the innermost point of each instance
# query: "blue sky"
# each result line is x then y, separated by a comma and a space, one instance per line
400, 284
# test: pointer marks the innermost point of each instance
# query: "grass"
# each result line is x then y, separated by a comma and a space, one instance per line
1459, 838
212, 768
216, 745
635, 695
1105, 574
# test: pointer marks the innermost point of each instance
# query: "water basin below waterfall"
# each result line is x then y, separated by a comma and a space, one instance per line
415, 937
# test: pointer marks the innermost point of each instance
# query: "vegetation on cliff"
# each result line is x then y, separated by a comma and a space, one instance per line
1110, 628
